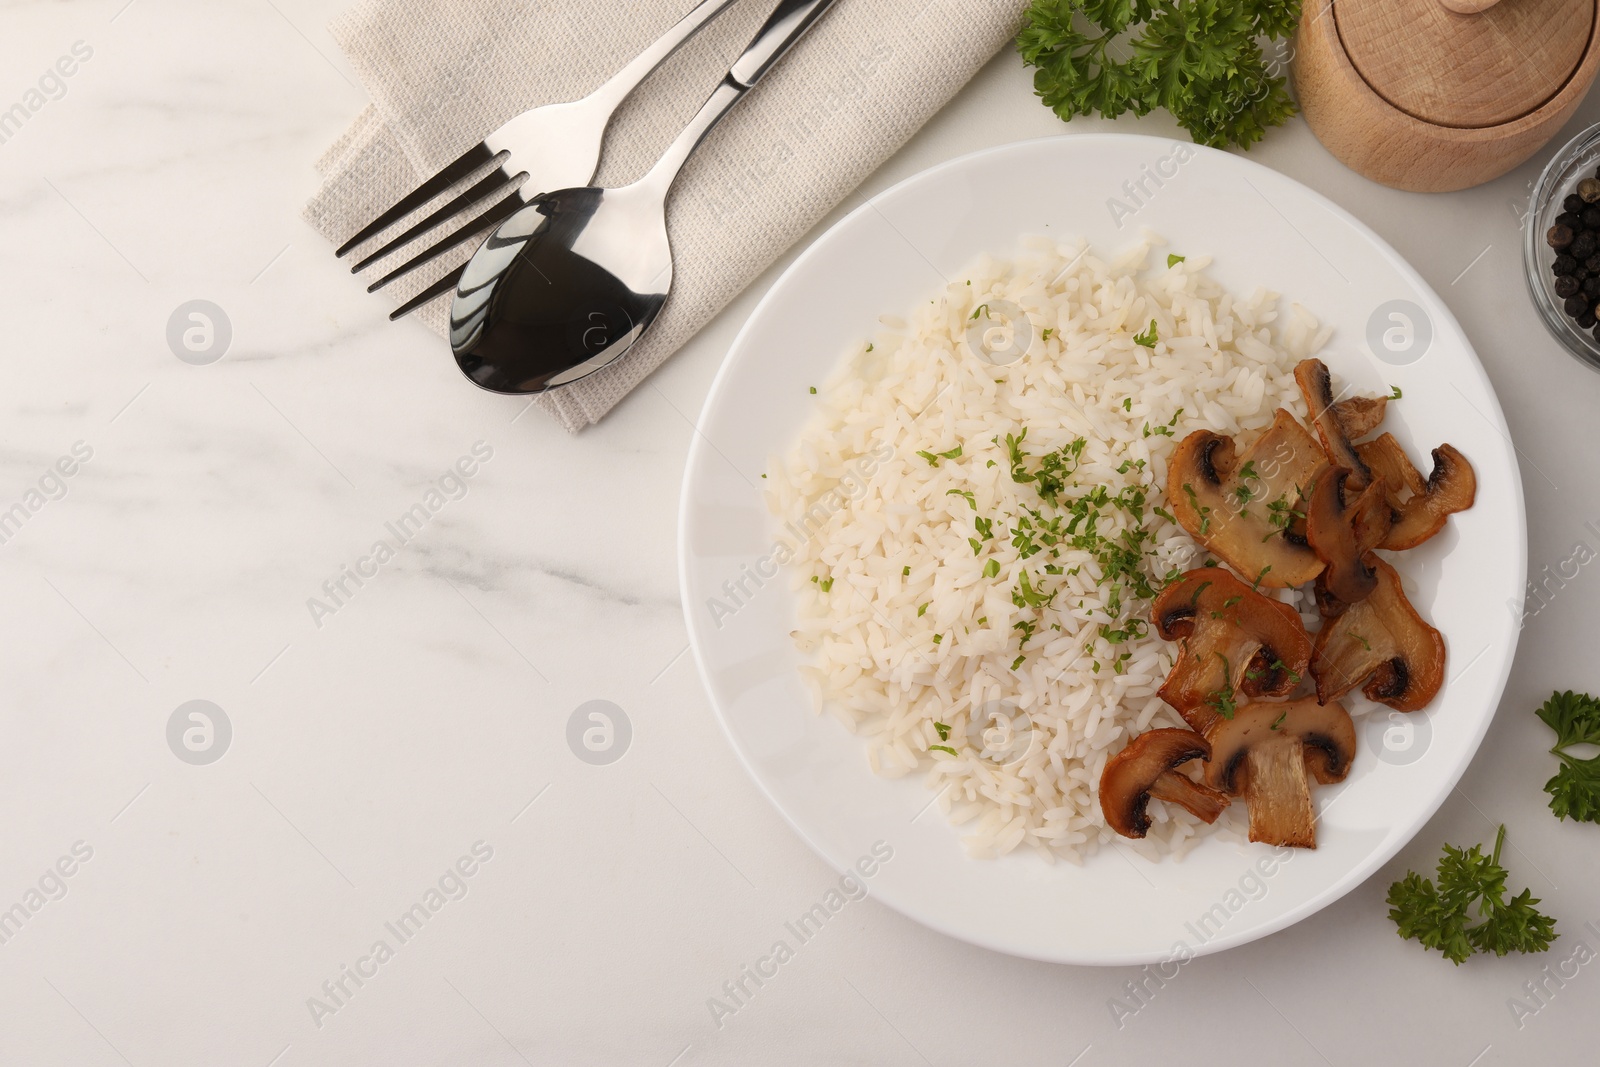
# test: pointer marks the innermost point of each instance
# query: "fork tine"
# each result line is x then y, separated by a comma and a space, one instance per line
488, 219
494, 182
471, 160
443, 285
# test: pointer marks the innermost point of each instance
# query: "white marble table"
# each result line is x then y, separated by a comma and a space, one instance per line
415, 730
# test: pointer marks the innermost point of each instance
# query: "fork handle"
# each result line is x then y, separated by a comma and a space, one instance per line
788, 23
618, 87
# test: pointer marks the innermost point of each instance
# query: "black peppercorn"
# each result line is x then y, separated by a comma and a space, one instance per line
1586, 320
1566, 285
1573, 202
1564, 265
1592, 264
1591, 215
1583, 246
1576, 305
1559, 236
1589, 287
1571, 219
1580, 274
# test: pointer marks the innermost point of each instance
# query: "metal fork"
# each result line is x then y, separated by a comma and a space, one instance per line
556, 146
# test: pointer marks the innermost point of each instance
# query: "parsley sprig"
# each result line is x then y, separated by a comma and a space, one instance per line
1439, 914
1199, 59
1575, 790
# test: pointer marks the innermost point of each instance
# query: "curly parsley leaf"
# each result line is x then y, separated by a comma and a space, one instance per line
1199, 59
1575, 790
1439, 914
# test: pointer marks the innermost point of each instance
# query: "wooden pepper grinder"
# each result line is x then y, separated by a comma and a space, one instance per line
1434, 95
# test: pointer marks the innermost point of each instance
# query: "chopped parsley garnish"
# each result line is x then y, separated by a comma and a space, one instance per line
1278, 722
1395, 393
1222, 700
1047, 334
1203, 512
933, 458
944, 730
1281, 514
984, 308
922, 609
1127, 403
938, 638
1172, 260
1017, 662
813, 390
977, 545
1028, 627
1164, 430
1364, 642
991, 568
825, 585
966, 493
943, 748
1148, 339
1026, 596
906, 573
1257, 583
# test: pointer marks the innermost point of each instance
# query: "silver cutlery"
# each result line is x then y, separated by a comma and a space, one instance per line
568, 283
551, 147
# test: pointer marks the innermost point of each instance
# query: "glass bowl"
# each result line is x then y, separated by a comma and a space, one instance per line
1579, 158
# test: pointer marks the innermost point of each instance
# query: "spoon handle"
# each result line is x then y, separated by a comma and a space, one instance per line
787, 24
618, 87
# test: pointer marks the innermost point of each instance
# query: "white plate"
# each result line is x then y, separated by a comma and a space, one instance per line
1263, 229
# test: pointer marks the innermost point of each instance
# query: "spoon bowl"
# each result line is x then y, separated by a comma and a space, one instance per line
562, 288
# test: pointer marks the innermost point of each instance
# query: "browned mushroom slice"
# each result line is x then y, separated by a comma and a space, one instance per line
1360, 415
1242, 507
1316, 385
1342, 527
1420, 506
1235, 643
1381, 644
1389, 462
1268, 752
1148, 768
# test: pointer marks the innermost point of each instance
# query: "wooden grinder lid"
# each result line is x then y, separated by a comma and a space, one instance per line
1465, 63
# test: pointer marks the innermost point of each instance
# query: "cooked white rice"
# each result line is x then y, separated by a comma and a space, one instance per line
885, 564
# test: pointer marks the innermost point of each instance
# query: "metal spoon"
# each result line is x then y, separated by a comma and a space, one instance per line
568, 284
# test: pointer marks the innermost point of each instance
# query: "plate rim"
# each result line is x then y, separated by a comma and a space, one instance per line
1352, 878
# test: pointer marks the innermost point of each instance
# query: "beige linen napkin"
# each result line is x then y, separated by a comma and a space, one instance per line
443, 73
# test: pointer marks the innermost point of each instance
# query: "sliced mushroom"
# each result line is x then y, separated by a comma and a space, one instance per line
1268, 752
1342, 527
1389, 462
1316, 385
1420, 506
1360, 415
1242, 507
1381, 644
1234, 642
1148, 768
